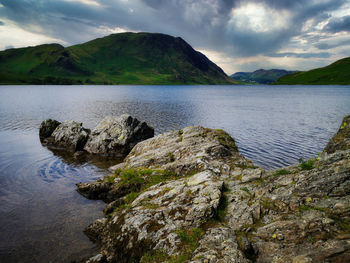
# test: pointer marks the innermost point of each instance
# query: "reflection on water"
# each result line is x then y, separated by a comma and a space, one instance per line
41, 214
82, 158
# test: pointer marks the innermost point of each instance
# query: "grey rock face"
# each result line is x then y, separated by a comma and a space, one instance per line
301, 212
117, 136
47, 127
70, 135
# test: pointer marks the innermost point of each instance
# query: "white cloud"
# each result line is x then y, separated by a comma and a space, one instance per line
113, 30
14, 36
85, 2
259, 18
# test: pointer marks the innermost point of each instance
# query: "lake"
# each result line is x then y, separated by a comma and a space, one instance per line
42, 216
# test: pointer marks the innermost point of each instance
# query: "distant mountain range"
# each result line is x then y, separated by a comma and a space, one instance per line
337, 73
260, 76
125, 58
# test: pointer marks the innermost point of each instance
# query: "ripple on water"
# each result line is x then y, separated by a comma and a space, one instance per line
41, 214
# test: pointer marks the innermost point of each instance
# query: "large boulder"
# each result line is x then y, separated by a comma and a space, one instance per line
47, 127
186, 151
70, 135
117, 136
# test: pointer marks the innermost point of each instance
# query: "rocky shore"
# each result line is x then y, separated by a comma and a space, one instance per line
189, 196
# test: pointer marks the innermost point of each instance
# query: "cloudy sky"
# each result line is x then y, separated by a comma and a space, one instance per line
237, 35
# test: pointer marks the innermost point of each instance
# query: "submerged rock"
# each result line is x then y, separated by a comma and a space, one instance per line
70, 135
189, 196
47, 127
117, 136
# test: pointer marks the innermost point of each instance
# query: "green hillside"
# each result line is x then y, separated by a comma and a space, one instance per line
126, 58
260, 76
337, 73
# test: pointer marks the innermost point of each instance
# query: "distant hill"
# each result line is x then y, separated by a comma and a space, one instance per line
125, 58
260, 76
337, 73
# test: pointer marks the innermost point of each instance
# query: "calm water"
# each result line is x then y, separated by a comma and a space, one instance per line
41, 215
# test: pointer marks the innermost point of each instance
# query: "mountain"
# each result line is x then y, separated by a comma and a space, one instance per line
125, 58
260, 76
337, 73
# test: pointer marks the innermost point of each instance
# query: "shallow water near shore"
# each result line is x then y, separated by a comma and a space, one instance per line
42, 216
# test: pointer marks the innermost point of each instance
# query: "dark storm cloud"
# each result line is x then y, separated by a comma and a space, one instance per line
205, 24
325, 46
2, 23
339, 24
216, 31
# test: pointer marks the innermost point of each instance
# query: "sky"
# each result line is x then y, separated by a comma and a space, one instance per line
237, 35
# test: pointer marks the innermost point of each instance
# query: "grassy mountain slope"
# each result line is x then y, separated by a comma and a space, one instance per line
260, 76
126, 58
337, 73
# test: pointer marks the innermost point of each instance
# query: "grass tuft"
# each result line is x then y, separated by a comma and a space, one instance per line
281, 172
307, 165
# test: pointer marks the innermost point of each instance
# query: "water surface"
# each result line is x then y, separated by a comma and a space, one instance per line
42, 216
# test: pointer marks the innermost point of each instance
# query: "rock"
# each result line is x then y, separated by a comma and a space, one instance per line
186, 151
47, 127
251, 175
111, 137
189, 196
99, 258
155, 217
96, 190
117, 136
219, 245
70, 135
341, 140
